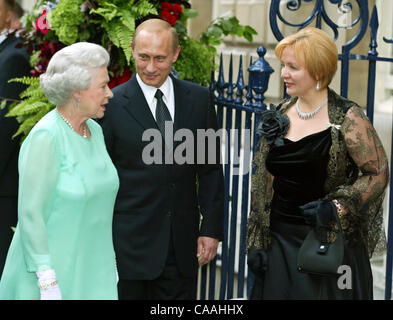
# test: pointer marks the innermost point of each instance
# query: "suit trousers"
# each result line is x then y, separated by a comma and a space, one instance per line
170, 285
8, 219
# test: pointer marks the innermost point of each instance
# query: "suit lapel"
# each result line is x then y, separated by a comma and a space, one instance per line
8, 41
137, 105
183, 104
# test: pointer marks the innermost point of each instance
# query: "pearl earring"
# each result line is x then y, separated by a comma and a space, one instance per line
318, 86
77, 102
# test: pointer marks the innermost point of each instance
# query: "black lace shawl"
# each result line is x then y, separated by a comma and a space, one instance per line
357, 176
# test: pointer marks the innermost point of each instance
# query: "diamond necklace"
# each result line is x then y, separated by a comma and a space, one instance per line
69, 124
309, 115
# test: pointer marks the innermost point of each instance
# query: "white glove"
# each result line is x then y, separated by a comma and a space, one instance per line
47, 282
52, 293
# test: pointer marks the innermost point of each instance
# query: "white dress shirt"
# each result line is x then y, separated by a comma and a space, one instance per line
168, 95
3, 35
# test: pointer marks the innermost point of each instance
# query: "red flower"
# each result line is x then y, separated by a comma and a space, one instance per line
177, 9
170, 12
125, 76
42, 24
166, 6
167, 16
48, 49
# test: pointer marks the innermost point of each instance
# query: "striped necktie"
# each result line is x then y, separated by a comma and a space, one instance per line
162, 112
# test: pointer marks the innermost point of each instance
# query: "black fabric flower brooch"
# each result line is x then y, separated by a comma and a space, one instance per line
273, 125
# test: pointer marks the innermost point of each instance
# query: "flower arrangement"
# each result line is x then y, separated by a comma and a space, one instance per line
53, 24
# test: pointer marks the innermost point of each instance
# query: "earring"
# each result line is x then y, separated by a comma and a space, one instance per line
77, 102
318, 86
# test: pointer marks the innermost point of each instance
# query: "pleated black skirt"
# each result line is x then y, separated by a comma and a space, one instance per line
282, 280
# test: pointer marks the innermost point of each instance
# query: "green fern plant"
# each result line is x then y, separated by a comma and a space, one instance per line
32, 108
119, 21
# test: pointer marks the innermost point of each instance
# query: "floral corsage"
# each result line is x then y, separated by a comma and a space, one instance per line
273, 126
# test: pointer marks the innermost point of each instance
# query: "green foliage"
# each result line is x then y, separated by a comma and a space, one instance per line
65, 19
34, 58
33, 106
117, 18
195, 62
3, 104
224, 26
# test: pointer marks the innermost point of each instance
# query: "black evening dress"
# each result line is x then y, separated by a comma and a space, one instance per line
299, 169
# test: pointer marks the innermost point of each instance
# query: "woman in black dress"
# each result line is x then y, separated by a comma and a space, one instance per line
318, 153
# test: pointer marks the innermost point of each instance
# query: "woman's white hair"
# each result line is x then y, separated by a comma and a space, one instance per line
71, 69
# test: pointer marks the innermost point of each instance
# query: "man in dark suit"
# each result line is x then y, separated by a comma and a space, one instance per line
159, 236
13, 63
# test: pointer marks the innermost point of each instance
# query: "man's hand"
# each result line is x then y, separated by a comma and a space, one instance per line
206, 250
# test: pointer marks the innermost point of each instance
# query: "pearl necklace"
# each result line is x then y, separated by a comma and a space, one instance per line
69, 124
309, 115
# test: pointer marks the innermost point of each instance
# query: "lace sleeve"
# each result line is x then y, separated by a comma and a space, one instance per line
366, 150
363, 199
258, 234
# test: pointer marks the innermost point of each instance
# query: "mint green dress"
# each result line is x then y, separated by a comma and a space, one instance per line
67, 190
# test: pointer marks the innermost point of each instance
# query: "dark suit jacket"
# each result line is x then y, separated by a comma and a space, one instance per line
14, 63
156, 199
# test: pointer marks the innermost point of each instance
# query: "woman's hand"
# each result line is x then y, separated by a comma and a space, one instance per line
47, 282
52, 293
318, 213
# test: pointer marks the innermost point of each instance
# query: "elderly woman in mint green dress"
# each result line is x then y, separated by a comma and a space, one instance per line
62, 247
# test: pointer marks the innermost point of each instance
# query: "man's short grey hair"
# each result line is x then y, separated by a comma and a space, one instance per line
71, 69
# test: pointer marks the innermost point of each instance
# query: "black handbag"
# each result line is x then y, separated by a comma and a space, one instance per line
321, 258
